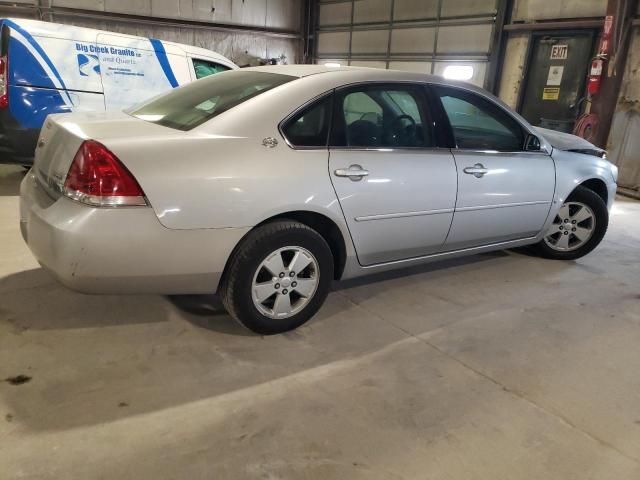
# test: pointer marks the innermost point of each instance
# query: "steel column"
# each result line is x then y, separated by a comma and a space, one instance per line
604, 102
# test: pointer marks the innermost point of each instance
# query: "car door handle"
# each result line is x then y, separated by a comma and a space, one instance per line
354, 172
477, 170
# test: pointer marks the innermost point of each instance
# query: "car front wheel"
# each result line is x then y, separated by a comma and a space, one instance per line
278, 278
578, 227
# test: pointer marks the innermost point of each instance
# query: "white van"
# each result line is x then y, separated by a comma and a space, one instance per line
50, 68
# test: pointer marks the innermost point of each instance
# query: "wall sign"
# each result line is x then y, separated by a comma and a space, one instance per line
551, 93
559, 52
555, 75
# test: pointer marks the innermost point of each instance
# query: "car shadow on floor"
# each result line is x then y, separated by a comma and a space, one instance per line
34, 300
123, 356
436, 266
10, 178
207, 311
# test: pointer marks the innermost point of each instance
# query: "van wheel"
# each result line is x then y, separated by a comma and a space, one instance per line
278, 278
578, 228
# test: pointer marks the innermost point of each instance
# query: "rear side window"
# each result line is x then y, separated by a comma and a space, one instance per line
187, 107
310, 127
204, 68
381, 116
478, 123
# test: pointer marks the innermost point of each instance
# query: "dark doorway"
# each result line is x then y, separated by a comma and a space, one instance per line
555, 79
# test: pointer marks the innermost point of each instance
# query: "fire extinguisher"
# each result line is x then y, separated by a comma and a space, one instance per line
595, 76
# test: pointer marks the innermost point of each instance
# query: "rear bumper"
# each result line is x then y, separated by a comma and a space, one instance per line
120, 250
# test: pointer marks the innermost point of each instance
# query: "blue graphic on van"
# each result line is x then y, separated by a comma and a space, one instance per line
42, 54
33, 94
88, 63
164, 61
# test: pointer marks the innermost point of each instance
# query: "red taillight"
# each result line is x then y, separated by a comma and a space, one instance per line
96, 177
4, 81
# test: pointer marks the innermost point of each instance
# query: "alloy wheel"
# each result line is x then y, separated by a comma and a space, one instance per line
285, 282
572, 228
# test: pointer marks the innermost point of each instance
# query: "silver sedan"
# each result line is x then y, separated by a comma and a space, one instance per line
266, 184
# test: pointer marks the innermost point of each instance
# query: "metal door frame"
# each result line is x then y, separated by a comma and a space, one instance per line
533, 36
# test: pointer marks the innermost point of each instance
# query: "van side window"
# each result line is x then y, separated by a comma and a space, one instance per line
310, 127
204, 68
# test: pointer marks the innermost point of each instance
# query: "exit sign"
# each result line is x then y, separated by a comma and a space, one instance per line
559, 52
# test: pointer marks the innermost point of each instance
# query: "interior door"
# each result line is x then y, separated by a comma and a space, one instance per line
504, 192
555, 80
397, 191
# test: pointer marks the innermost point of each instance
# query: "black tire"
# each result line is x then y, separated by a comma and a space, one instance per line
236, 287
599, 208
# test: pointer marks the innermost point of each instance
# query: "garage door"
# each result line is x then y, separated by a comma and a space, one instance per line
451, 37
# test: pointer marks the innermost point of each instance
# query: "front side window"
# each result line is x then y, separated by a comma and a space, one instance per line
204, 68
187, 107
381, 116
310, 127
479, 124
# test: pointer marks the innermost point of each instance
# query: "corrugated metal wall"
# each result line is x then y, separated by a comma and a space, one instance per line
416, 35
531, 10
624, 139
275, 14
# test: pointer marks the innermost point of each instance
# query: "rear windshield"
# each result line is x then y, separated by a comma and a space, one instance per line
187, 107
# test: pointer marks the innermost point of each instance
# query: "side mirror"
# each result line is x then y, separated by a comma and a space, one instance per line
532, 144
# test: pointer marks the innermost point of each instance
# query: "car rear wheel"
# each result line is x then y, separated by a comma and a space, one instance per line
578, 227
278, 278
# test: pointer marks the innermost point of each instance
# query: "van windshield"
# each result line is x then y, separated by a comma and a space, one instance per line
187, 107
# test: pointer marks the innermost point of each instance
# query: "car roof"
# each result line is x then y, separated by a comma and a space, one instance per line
346, 75
299, 70
304, 70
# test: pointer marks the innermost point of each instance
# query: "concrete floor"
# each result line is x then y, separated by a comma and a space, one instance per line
499, 366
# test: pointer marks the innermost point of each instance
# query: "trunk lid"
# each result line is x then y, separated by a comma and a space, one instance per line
62, 135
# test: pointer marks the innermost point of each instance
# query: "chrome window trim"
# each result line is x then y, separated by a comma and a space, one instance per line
391, 150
